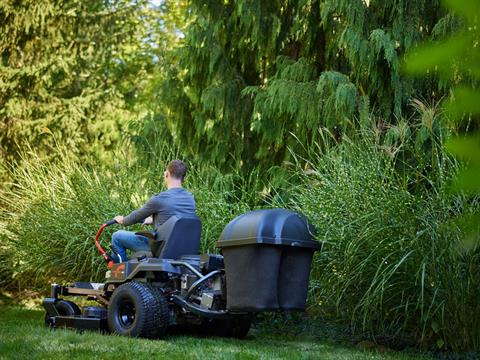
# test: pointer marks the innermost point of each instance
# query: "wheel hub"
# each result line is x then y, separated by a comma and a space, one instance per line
126, 314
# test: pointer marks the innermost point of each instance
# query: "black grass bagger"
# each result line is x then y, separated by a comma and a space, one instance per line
265, 266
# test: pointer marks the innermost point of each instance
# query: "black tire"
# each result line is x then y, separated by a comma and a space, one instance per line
238, 328
64, 308
235, 327
49, 321
138, 310
67, 308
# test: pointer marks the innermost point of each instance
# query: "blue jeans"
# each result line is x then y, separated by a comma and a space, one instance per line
123, 240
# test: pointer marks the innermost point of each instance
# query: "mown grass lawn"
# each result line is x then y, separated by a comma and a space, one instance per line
22, 335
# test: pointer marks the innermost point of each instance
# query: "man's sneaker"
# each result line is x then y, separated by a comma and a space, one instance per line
116, 259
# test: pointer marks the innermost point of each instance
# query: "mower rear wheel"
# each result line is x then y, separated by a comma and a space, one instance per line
64, 308
138, 310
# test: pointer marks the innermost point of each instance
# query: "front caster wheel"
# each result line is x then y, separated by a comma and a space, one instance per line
64, 308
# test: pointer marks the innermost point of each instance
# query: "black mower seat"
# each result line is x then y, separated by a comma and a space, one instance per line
140, 255
176, 237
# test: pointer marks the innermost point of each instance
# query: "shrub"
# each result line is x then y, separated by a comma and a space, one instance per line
393, 262
51, 216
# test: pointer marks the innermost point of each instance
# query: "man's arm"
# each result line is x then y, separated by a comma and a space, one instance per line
150, 208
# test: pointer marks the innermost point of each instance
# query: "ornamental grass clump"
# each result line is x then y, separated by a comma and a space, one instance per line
50, 217
393, 262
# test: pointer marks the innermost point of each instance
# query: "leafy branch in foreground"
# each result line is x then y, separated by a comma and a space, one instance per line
457, 58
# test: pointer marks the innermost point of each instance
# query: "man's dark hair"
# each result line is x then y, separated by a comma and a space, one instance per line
177, 169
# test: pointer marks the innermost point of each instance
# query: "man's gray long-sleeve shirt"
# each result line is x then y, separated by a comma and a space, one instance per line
174, 201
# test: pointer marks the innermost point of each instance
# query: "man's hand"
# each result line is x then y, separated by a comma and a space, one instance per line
148, 221
118, 219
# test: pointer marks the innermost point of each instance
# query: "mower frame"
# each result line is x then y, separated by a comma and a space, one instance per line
153, 271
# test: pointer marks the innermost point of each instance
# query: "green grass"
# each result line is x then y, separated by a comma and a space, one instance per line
22, 335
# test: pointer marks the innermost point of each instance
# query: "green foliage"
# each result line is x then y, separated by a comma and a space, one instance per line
256, 76
457, 59
467, 148
416, 146
392, 262
52, 214
339, 98
70, 69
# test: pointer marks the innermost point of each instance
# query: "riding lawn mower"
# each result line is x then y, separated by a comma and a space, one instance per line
264, 266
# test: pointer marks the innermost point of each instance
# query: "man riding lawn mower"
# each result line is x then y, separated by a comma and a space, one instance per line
175, 201
265, 266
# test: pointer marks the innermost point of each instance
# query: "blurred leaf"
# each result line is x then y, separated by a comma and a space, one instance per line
470, 226
466, 8
467, 148
437, 56
465, 102
468, 180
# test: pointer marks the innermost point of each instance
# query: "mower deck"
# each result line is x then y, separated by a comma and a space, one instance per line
79, 322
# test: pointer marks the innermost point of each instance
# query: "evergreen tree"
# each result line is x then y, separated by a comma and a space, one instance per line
69, 69
258, 77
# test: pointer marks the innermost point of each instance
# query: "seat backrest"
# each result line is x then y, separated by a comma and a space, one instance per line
180, 235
